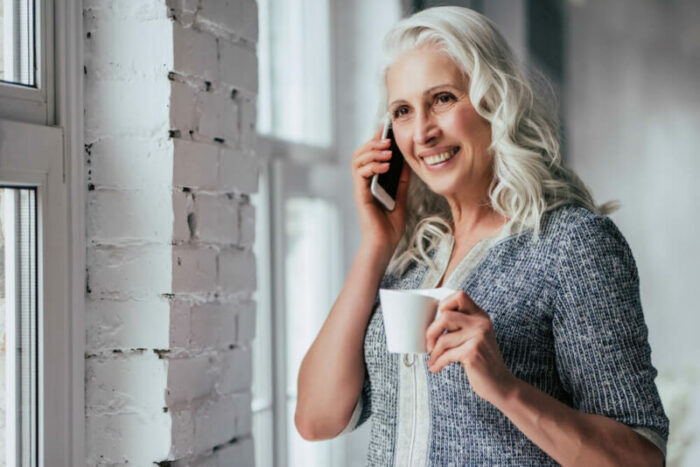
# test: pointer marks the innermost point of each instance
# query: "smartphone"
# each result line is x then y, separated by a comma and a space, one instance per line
385, 185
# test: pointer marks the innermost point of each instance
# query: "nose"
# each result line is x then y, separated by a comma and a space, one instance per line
426, 129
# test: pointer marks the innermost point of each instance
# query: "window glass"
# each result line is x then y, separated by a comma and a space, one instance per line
294, 100
17, 55
311, 272
263, 394
18, 325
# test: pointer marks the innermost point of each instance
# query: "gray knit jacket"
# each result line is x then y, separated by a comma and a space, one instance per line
567, 315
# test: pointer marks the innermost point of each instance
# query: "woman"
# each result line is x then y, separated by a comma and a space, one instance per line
541, 356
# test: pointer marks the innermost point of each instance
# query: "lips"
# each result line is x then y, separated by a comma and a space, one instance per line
442, 164
426, 154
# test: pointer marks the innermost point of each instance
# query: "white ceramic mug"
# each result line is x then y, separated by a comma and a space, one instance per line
407, 315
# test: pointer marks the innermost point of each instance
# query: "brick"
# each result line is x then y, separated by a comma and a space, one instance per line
237, 16
182, 433
217, 218
183, 104
116, 384
238, 65
183, 206
218, 116
249, 134
238, 171
194, 269
213, 325
190, 378
131, 439
126, 58
236, 371
246, 224
237, 270
195, 53
130, 162
238, 454
136, 271
145, 10
127, 324
219, 421
195, 164
179, 325
149, 216
126, 108
247, 316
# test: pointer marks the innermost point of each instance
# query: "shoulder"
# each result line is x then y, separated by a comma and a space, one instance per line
590, 245
576, 226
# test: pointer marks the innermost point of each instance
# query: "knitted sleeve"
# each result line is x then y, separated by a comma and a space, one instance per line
363, 406
602, 352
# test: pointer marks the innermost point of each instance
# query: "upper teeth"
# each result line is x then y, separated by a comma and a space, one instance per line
440, 157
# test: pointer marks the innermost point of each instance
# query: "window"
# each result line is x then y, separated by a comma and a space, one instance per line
17, 47
26, 61
18, 322
42, 384
298, 240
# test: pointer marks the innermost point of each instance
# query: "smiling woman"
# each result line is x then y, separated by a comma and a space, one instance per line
541, 356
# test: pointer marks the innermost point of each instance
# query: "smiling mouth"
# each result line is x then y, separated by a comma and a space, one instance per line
440, 158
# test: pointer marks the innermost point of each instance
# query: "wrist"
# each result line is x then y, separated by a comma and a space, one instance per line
509, 394
375, 250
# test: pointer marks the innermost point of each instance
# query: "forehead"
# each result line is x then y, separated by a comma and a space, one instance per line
419, 69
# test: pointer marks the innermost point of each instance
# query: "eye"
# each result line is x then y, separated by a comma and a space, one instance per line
397, 112
444, 97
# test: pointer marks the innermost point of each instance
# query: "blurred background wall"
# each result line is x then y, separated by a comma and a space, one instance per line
632, 110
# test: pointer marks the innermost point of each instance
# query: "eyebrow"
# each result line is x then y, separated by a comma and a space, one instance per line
427, 91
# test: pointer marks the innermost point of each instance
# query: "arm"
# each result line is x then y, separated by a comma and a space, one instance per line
572, 437
331, 374
602, 357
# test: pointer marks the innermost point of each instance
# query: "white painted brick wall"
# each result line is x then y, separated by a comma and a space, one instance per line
170, 110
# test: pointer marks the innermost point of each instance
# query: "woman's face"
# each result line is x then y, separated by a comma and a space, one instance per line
432, 114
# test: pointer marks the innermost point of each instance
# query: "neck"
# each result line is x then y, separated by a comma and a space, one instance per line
473, 217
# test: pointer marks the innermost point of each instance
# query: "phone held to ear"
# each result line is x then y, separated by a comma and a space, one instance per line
385, 185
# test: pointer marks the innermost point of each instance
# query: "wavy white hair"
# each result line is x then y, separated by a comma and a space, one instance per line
529, 178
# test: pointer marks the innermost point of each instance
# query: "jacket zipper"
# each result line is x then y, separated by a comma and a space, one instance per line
415, 384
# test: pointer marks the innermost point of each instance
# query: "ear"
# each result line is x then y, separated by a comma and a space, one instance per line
484, 105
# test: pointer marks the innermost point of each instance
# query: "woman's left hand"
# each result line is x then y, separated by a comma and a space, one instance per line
471, 341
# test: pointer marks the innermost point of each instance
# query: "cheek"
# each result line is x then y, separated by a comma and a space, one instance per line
473, 126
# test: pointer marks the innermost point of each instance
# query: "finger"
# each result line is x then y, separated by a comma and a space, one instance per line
369, 146
378, 133
372, 168
447, 321
465, 325
444, 343
458, 301
377, 155
452, 355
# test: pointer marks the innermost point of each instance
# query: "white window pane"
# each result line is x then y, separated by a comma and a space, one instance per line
18, 316
304, 453
312, 270
262, 344
17, 56
263, 430
295, 71
312, 264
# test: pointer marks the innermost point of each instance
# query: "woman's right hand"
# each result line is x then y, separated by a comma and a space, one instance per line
380, 228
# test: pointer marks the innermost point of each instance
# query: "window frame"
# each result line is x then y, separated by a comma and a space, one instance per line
35, 104
33, 152
286, 169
